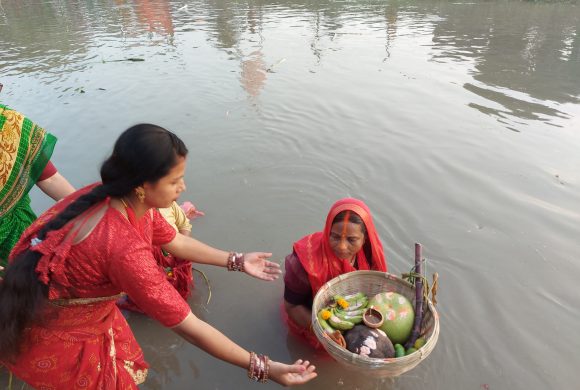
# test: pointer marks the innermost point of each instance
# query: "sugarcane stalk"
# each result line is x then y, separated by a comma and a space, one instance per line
418, 298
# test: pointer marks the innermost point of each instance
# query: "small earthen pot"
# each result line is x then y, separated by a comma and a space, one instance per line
373, 318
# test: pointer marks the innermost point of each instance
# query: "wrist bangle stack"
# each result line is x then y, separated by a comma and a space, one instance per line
259, 367
236, 262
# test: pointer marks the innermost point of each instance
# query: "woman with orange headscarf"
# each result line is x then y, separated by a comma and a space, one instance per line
349, 242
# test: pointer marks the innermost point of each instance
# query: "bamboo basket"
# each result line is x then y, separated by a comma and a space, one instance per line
372, 283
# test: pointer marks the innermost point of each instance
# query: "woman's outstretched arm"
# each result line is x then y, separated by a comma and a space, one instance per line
256, 264
215, 343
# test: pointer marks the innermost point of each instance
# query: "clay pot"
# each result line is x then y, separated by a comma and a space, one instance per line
373, 318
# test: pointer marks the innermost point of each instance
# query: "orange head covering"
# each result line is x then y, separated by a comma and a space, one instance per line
318, 258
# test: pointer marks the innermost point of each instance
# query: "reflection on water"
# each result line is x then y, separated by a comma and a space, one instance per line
155, 15
455, 121
524, 67
515, 66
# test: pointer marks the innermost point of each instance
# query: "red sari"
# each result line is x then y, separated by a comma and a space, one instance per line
320, 264
177, 271
84, 341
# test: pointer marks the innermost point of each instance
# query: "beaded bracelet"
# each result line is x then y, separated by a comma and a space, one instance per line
235, 262
259, 367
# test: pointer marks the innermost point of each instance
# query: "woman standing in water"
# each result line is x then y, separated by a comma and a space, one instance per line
59, 325
348, 242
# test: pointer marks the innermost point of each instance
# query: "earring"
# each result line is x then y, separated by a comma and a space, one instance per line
140, 192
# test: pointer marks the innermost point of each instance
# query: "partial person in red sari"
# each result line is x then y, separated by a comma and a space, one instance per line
179, 272
348, 242
59, 325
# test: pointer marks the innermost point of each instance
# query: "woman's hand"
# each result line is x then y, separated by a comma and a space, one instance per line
290, 375
191, 212
257, 265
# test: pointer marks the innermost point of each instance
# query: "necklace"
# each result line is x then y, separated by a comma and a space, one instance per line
124, 204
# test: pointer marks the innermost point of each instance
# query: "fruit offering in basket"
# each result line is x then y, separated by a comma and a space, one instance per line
384, 287
374, 328
398, 315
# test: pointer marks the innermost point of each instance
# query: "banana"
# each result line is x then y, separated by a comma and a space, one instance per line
357, 304
340, 302
339, 324
350, 302
355, 316
352, 313
354, 297
327, 328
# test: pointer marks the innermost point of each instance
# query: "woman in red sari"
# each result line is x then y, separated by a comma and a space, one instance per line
59, 325
348, 242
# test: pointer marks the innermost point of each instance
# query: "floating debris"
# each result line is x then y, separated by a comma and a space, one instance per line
271, 68
131, 59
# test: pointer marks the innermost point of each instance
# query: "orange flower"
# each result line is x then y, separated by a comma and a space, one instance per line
343, 303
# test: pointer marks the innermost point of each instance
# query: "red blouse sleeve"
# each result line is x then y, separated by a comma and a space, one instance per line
137, 274
49, 171
163, 232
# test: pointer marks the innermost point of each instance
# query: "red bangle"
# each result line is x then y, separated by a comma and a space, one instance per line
259, 367
235, 262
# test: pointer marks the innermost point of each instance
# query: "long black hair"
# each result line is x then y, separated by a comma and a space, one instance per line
142, 153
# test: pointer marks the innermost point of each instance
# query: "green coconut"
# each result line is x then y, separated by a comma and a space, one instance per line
398, 313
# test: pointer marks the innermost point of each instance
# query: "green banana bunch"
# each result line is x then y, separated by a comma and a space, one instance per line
343, 313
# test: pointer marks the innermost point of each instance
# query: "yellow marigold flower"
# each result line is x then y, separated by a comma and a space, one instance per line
325, 314
343, 303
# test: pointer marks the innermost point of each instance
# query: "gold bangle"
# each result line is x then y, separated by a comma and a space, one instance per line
266, 369
251, 367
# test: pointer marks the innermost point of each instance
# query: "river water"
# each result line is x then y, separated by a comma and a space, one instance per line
457, 122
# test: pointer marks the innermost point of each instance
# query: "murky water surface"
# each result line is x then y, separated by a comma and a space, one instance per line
457, 122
